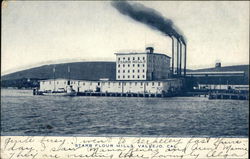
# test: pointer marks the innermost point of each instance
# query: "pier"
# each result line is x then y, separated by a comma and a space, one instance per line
109, 94
233, 96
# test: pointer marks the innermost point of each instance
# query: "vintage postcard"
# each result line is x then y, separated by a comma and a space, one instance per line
125, 79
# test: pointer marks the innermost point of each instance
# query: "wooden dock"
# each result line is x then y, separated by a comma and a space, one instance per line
109, 94
234, 96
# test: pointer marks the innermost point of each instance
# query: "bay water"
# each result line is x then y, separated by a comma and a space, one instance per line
25, 114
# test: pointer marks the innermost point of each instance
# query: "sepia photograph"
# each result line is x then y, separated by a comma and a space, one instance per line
125, 69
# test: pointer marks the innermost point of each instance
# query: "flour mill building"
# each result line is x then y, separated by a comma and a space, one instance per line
142, 66
136, 74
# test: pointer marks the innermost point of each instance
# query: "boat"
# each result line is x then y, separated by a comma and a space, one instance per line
60, 91
69, 92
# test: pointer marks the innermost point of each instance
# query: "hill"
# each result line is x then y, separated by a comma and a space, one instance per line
78, 70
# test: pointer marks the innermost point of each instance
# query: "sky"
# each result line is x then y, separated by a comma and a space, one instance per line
35, 33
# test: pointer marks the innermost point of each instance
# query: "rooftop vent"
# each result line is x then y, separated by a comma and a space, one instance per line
149, 50
217, 64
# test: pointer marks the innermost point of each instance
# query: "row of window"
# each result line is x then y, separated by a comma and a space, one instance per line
58, 82
130, 83
134, 58
138, 65
152, 83
141, 83
133, 76
143, 58
123, 71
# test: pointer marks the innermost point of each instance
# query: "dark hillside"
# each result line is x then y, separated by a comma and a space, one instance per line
79, 70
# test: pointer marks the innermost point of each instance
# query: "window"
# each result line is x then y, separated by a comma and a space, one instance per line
123, 71
119, 65
118, 76
147, 84
130, 83
123, 65
83, 83
128, 71
118, 71
138, 58
142, 65
109, 83
133, 76
143, 70
143, 76
138, 65
123, 76
119, 83
128, 76
133, 71
128, 65
143, 58
128, 58
138, 71
138, 76
123, 58
141, 83
135, 83
124, 83
159, 83
133, 65
133, 58
119, 59
153, 83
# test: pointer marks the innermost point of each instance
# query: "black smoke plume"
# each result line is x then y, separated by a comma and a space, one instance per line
148, 16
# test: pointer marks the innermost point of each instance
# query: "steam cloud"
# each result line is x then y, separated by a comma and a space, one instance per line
148, 16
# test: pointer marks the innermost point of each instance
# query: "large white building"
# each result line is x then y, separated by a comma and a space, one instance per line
142, 66
150, 87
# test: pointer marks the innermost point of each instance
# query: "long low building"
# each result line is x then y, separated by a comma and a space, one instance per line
222, 87
151, 87
215, 74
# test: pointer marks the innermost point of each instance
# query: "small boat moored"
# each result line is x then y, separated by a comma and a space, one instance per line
69, 92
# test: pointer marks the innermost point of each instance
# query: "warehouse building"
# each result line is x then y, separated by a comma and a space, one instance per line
151, 87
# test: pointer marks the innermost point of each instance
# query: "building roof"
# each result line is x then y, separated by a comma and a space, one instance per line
135, 53
217, 73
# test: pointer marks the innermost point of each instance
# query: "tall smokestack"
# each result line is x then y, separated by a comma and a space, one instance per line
172, 55
177, 58
156, 21
185, 60
180, 57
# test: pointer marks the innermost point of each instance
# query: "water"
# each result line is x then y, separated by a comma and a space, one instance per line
25, 114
